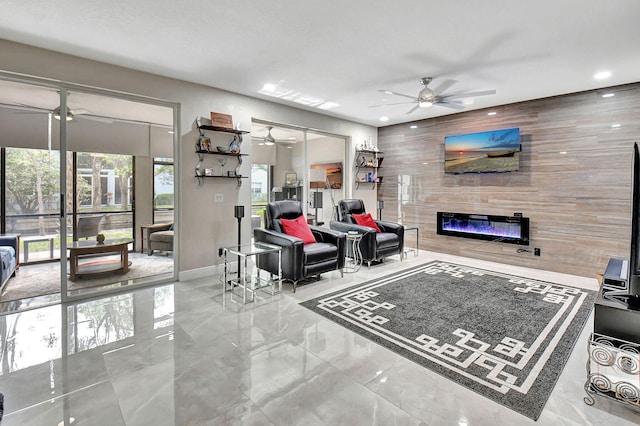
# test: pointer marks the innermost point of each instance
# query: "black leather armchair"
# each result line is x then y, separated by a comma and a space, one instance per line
374, 245
299, 261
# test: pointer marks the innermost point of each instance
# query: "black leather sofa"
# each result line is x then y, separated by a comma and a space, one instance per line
299, 261
374, 246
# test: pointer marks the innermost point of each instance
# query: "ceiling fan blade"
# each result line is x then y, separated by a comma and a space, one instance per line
24, 109
442, 87
451, 105
470, 94
390, 92
91, 117
413, 109
394, 103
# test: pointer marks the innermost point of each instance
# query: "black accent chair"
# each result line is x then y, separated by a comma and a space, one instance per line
374, 245
299, 261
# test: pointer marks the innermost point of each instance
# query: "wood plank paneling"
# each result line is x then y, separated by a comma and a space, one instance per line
579, 202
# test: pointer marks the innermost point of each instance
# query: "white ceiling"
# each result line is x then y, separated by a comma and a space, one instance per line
345, 51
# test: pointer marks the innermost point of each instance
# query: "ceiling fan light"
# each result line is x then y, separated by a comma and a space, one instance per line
57, 117
425, 104
56, 114
269, 139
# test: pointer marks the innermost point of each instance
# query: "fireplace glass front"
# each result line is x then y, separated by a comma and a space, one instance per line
506, 229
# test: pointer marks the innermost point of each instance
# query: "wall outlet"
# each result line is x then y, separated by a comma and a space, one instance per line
536, 251
219, 198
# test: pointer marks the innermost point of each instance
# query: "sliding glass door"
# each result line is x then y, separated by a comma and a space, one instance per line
78, 167
294, 163
110, 192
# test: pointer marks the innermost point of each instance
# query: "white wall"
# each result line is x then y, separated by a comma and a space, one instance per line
203, 225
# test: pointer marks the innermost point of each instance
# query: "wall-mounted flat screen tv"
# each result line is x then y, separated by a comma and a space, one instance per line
485, 152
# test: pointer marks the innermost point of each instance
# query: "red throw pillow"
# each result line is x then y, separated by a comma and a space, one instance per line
365, 219
298, 228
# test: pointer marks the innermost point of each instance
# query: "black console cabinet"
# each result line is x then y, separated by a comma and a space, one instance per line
613, 317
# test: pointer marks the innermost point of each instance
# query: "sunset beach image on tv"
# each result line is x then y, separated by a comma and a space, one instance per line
485, 152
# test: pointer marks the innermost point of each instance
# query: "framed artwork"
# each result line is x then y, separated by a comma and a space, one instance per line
290, 179
332, 176
204, 144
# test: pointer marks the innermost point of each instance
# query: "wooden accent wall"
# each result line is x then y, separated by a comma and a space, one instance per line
579, 202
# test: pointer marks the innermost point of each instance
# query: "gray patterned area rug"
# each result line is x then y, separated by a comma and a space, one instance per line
505, 337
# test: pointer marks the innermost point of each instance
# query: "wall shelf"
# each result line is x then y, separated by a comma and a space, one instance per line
200, 175
367, 164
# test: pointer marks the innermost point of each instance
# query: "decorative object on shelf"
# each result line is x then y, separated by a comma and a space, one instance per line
222, 148
100, 238
232, 173
203, 144
234, 146
208, 172
222, 162
290, 179
221, 120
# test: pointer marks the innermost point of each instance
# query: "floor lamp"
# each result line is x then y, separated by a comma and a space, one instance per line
238, 212
317, 178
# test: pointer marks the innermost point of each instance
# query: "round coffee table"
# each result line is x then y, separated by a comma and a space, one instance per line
89, 247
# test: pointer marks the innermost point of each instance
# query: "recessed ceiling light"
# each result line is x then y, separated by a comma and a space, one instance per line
269, 87
292, 138
384, 118
413, 126
492, 113
170, 132
616, 125
388, 92
602, 75
290, 147
608, 95
563, 152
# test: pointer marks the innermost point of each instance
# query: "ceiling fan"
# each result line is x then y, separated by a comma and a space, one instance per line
428, 97
270, 140
56, 112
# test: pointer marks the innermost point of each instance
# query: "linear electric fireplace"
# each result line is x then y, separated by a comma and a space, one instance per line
505, 229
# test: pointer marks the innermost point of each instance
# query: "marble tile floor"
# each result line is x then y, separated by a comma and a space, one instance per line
173, 355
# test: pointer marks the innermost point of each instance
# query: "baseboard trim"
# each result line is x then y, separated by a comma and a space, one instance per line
207, 271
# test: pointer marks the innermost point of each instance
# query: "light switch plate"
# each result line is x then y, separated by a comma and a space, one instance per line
219, 198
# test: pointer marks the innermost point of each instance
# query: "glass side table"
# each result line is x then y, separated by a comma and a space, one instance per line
353, 239
244, 279
411, 249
